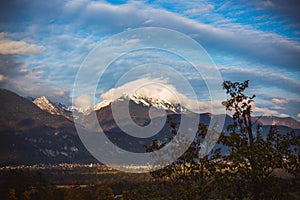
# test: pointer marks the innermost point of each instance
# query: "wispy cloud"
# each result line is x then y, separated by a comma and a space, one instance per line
11, 47
260, 78
194, 11
264, 111
285, 8
280, 101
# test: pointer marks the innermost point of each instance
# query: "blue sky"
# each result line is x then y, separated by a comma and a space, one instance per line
43, 43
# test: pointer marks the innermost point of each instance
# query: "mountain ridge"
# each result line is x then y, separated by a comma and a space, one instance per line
278, 121
44, 104
55, 109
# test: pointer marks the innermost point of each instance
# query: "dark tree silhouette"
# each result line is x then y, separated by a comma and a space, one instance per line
254, 158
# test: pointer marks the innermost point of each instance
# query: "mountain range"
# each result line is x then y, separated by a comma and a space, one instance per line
278, 121
39, 131
30, 135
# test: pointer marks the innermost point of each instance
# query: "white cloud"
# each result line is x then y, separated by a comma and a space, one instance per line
263, 111
199, 10
284, 115
83, 102
267, 3
8, 46
279, 101
298, 115
2, 77
276, 107
132, 42
73, 5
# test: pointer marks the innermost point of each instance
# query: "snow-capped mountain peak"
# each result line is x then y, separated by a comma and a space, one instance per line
102, 104
44, 104
159, 103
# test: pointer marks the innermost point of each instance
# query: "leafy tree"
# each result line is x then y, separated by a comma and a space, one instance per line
73, 194
27, 194
190, 174
105, 193
253, 158
12, 194
253, 167
26, 184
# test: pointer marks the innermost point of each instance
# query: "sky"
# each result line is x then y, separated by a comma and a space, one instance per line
44, 43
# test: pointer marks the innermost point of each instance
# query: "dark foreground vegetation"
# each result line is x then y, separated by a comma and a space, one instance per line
98, 182
255, 166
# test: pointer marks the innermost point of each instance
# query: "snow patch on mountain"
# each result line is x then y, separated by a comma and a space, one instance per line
102, 104
44, 104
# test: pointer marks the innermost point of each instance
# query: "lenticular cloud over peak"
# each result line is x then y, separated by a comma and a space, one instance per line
151, 88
